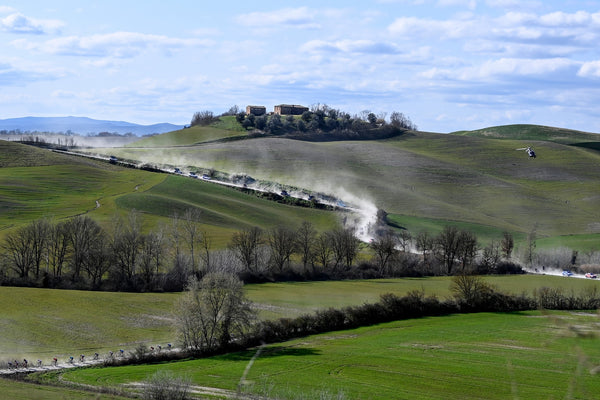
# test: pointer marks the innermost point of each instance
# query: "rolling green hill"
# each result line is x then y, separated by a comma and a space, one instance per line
422, 180
427, 179
225, 129
533, 132
37, 183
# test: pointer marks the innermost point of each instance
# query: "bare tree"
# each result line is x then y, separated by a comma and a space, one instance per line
99, 260
39, 234
384, 247
305, 243
190, 223
507, 245
469, 288
17, 247
205, 255
212, 312
424, 244
83, 232
203, 118
126, 244
323, 251
151, 256
245, 245
467, 248
447, 246
57, 249
491, 256
404, 240
282, 245
345, 246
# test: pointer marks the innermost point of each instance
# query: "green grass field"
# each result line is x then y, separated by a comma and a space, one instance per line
477, 356
44, 323
16, 390
533, 132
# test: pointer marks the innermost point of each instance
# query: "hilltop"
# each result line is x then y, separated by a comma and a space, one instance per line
533, 132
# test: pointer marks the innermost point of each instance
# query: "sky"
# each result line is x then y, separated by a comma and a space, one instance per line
446, 64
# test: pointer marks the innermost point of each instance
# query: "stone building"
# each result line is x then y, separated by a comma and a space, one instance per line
289, 109
256, 110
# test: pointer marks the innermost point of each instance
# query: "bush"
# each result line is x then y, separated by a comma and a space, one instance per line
163, 385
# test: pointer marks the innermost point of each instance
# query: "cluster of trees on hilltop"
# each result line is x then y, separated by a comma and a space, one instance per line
79, 253
324, 122
321, 122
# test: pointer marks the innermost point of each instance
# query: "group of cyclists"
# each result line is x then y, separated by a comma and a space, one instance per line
16, 364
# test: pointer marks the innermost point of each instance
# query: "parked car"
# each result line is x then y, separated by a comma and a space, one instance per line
567, 273
590, 275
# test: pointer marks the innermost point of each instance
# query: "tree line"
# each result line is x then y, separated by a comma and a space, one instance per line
214, 315
321, 122
80, 253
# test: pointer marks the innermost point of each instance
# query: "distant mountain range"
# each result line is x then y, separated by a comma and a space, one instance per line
82, 126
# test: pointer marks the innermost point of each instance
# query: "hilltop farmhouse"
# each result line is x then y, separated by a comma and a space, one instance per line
256, 110
281, 109
289, 109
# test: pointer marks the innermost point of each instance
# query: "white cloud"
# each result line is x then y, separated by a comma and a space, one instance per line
590, 69
514, 4
507, 68
470, 4
351, 46
118, 44
6, 10
520, 67
559, 18
301, 17
412, 27
19, 23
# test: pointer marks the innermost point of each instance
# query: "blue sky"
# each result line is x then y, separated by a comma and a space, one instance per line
447, 64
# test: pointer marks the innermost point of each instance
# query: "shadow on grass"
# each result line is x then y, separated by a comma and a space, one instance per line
588, 145
274, 351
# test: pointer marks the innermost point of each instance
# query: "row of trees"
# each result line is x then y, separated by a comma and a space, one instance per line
214, 315
318, 120
82, 254
324, 119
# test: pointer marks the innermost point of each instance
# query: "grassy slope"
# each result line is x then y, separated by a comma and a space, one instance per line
226, 128
439, 177
424, 180
533, 132
43, 323
37, 183
16, 390
472, 356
